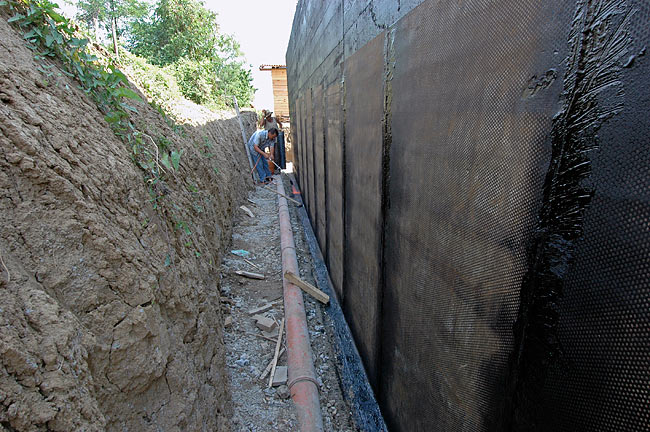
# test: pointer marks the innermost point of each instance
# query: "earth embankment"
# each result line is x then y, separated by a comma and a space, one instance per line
110, 316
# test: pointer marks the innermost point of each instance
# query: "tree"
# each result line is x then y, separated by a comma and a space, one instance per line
184, 35
114, 16
178, 28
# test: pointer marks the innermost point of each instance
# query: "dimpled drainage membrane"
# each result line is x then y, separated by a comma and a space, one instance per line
481, 193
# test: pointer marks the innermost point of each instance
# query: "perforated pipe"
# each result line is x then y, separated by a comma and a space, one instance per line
302, 378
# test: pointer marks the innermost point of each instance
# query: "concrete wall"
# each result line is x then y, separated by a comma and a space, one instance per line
452, 161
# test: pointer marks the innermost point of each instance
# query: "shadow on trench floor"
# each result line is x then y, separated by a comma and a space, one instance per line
250, 349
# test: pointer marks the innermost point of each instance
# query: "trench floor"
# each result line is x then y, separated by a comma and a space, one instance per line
256, 407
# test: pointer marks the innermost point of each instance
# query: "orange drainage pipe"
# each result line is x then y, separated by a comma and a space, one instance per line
302, 378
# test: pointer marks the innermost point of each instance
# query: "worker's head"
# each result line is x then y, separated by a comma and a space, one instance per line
268, 114
273, 132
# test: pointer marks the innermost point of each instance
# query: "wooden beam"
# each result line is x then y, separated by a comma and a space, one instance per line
249, 274
307, 287
247, 211
277, 353
268, 367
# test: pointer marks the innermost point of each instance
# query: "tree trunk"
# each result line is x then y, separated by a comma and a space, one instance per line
96, 28
114, 28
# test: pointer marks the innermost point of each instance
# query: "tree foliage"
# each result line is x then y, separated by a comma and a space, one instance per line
178, 28
183, 35
98, 14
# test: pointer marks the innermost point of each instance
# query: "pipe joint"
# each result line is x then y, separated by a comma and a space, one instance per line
303, 378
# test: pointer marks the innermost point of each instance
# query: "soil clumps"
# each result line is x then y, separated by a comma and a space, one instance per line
110, 316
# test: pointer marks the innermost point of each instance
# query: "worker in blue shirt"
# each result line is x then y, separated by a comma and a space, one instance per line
258, 142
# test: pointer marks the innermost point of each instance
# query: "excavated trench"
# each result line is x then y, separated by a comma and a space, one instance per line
258, 407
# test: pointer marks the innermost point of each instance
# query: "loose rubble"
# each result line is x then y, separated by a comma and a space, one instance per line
255, 310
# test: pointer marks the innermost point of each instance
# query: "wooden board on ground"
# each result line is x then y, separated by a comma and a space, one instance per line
277, 353
247, 211
270, 365
249, 274
280, 376
260, 309
307, 287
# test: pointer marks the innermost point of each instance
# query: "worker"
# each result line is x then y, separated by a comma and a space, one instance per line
257, 144
268, 121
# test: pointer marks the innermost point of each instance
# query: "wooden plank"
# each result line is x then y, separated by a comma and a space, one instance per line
280, 377
247, 211
249, 274
270, 365
277, 353
253, 264
260, 309
307, 287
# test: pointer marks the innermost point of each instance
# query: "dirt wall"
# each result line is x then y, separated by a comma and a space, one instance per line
110, 316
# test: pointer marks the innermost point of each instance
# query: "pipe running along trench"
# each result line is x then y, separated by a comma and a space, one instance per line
302, 378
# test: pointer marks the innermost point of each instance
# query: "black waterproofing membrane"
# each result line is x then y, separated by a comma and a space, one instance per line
363, 155
280, 151
319, 167
335, 193
480, 188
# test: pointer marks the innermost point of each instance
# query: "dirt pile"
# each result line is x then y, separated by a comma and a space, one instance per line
110, 315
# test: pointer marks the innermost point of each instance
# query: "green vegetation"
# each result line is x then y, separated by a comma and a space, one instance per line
49, 34
109, 15
159, 84
181, 37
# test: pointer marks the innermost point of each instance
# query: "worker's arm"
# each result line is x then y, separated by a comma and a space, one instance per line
257, 149
272, 153
279, 123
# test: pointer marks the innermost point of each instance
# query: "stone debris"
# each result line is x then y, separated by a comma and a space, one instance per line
283, 392
272, 334
264, 323
256, 406
280, 376
243, 360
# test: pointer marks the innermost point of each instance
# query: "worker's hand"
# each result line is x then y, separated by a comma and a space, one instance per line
267, 156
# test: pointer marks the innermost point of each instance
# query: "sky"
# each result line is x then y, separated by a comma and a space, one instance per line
263, 29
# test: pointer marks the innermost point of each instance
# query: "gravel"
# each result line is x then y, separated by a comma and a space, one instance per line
256, 407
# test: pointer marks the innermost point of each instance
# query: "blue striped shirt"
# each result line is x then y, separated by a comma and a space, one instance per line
261, 138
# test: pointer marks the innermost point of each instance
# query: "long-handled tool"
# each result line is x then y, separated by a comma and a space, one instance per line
280, 168
298, 203
243, 135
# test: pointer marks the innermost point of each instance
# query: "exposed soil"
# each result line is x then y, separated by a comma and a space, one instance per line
256, 407
110, 316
